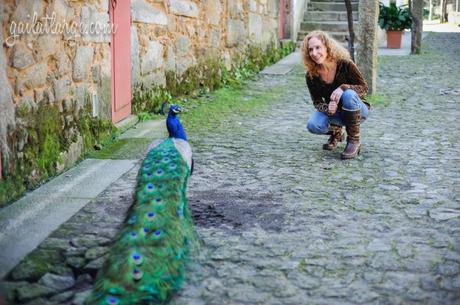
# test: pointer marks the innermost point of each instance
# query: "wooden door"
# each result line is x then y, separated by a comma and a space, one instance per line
120, 16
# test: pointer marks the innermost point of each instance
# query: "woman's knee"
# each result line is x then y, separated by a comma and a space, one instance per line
316, 128
350, 99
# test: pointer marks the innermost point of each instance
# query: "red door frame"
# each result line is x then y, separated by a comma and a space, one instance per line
281, 31
120, 17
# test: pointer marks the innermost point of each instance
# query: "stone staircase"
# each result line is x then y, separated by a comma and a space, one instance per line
329, 16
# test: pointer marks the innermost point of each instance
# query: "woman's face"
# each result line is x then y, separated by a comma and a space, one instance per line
317, 50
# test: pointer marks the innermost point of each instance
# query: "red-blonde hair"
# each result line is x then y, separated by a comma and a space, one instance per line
335, 52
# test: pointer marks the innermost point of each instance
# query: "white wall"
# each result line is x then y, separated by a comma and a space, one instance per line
387, 2
298, 8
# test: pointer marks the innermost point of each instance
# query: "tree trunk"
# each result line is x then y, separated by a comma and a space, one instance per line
351, 40
417, 26
366, 53
444, 11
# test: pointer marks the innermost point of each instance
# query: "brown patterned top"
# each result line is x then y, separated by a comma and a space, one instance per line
347, 76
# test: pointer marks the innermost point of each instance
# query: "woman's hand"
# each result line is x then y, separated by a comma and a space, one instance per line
332, 107
336, 95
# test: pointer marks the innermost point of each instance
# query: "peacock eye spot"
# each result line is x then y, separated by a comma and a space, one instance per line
146, 230
150, 214
157, 233
112, 300
158, 200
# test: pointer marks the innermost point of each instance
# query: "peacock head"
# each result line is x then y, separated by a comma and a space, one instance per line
175, 109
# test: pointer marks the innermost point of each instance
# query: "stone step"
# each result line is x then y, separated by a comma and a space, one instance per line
328, 16
328, 26
330, 6
339, 36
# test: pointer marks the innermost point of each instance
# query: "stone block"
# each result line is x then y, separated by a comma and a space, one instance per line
22, 57
34, 77
183, 46
235, 32
63, 64
255, 27
145, 13
95, 25
61, 89
153, 58
269, 35
272, 7
33, 291
105, 54
252, 6
154, 79
57, 282
135, 61
184, 63
170, 64
80, 95
25, 9
47, 45
82, 62
214, 38
184, 8
213, 10
71, 156
235, 9
61, 10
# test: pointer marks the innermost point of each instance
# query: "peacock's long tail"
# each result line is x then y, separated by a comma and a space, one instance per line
146, 263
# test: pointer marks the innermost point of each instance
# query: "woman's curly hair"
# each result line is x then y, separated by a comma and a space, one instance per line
335, 52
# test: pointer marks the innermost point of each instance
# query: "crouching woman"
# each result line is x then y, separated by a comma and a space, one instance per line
337, 89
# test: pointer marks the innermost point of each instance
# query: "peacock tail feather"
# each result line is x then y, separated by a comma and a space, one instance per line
146, 263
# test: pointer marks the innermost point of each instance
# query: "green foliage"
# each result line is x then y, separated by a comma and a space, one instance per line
149, 99
377, 100
42, 138
393, 18
208, 74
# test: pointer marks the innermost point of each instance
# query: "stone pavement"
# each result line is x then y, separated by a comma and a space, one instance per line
284, 222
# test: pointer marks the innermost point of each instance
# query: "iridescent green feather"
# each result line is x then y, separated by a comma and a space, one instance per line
146, 263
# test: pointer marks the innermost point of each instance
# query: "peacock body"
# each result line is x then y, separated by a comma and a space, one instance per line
146, 263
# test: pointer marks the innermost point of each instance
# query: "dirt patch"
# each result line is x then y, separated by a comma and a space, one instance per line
236, 211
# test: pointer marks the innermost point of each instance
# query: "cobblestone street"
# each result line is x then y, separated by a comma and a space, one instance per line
284, 222
287, 223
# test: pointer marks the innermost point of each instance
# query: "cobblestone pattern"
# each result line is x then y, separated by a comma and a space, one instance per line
61, 270
284, 222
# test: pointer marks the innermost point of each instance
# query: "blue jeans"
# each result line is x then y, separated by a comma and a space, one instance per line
319, 122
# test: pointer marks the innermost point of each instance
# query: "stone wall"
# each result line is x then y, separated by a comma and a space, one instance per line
47, 73
171, 36
50, 71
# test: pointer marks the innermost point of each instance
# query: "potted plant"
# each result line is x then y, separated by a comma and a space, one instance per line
394, 20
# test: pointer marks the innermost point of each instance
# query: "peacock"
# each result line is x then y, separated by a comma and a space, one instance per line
146, 263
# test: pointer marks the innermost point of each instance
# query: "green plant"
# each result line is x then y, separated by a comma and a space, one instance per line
393, 18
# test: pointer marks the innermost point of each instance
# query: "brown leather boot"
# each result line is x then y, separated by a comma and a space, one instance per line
336, 136
352, 120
